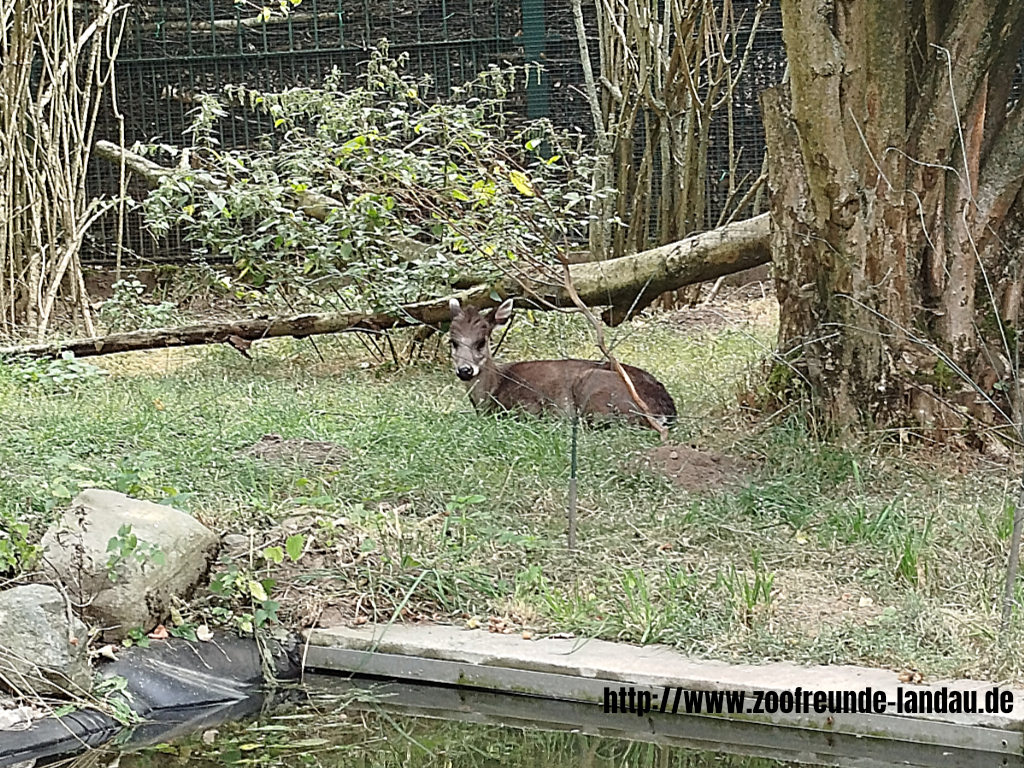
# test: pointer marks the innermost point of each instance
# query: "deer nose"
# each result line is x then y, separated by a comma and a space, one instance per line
465, 372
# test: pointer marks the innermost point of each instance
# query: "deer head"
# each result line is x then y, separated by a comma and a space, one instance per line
471, 337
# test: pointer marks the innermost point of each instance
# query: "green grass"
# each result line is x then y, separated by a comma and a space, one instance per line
829, 554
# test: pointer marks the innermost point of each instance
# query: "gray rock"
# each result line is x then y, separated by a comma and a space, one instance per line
39, 650
236, 546
75, 551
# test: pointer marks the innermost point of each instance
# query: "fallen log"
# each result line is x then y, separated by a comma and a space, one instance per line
627, 283
630, 283
298, 326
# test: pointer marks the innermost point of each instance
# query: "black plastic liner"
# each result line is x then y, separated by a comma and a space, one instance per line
178, 686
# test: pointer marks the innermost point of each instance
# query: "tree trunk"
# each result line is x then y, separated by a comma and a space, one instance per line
891, 175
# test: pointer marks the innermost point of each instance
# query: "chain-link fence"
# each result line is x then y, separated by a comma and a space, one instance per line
175, 50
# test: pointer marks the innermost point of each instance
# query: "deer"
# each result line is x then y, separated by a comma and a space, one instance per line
590, 389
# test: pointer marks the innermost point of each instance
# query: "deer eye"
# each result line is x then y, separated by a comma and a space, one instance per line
481, 344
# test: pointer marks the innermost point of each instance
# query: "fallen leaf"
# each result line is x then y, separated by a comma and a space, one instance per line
911, 676
242, 345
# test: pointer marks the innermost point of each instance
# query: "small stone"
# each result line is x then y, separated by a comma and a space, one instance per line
35, 642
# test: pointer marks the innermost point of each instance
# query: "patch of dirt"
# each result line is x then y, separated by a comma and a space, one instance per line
809, 602
745, 306
277, 448
696, 470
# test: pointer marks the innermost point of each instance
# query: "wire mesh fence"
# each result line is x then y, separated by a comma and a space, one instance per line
173, 51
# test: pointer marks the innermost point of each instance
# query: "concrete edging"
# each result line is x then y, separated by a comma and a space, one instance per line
579, 670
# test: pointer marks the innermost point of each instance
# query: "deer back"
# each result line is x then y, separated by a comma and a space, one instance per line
603, 393
539, 386
585, 387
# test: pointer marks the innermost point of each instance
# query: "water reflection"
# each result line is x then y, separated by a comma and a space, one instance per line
375, 725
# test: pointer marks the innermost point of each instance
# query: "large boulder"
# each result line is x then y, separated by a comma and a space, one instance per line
40, 651
122, 587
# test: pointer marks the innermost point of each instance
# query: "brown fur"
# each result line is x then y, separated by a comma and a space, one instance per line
589, 388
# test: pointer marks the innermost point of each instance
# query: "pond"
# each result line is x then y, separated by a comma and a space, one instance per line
332, 721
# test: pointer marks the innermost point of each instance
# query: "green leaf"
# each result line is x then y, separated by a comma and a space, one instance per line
294, 546
303, 743
521, 182
257, 591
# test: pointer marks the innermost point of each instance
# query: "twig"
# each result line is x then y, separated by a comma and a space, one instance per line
572, 483
599, 341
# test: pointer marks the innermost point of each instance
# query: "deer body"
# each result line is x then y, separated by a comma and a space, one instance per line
588, 388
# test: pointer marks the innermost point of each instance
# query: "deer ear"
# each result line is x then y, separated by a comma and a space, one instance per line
455, 308
503, 312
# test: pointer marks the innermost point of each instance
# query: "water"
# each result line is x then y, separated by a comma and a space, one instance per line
375, 725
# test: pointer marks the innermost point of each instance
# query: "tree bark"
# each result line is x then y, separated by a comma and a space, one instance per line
845, 281
891, 175
625, 284
893, 166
